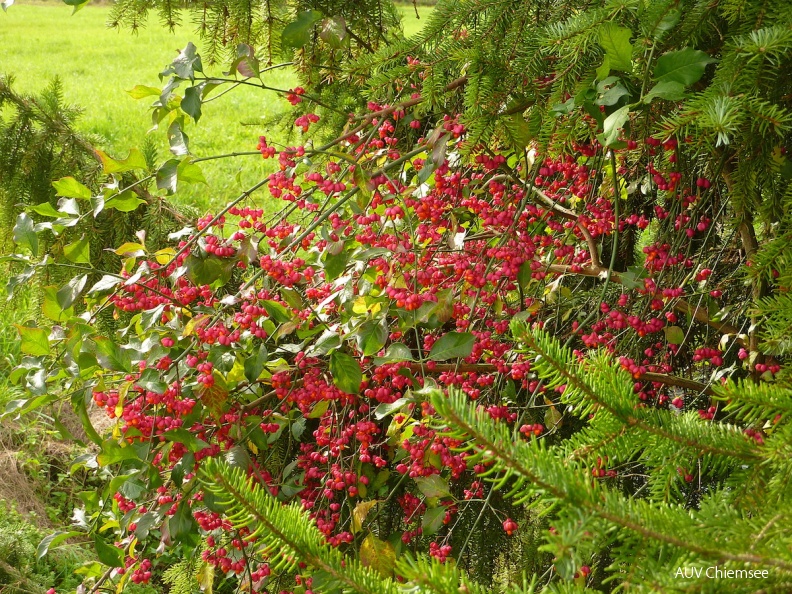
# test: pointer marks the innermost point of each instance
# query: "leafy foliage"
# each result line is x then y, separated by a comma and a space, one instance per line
385, 354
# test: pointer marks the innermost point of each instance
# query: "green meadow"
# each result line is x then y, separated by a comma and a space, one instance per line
97, 65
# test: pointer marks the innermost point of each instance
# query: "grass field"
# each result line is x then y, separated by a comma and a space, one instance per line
96, 65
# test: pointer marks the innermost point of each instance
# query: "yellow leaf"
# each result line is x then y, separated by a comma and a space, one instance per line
553, 418
195, 323
165, 255
359, 306
206, 578
130, 249
360, 512
378, 554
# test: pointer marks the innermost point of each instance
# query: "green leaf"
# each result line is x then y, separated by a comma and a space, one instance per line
371, 337
674, 334
68, 293
108, 554
188, 439
186, 63
276, 311
452, 345
684, 66
327, 342
141, 91
124, 202
71, 188
24, 233
432, 486
396, 352
35, 341
46, 209
110, 355
78, 251
107, 282
602, 73
167, 176
615, 40
182, 524
347, 375
385, 409
208, 271
670, 90
334, 264
319, 409
254, 365
191, 104
112, 453
50, 307
333, 31
298, 33
135, 160
150, 380
177, 138
54, 539
190, 173
432, 520
612, 125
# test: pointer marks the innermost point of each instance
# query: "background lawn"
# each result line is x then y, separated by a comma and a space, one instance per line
96, 65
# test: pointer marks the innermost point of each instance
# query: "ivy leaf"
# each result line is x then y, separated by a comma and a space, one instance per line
298, 33
35, 341
71, 188
432, 486
371, 337
108, 554
684, 66
452, 345
378, 554
25, 234
78, 251
347, 375
615, 40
